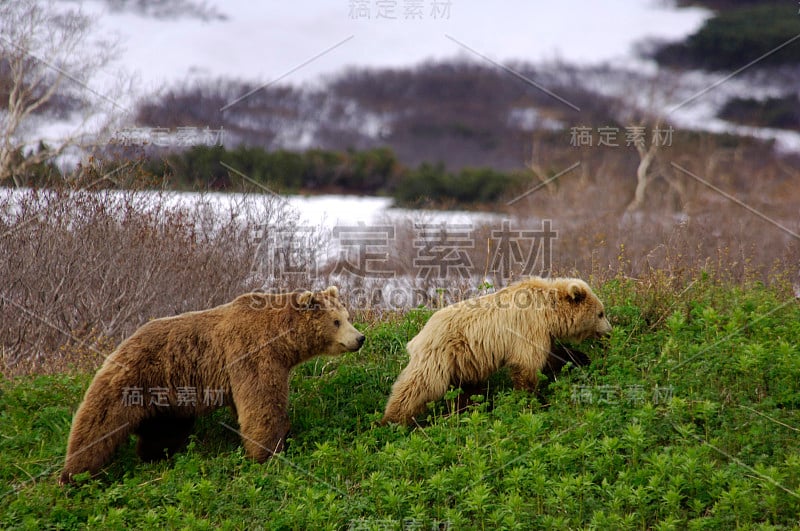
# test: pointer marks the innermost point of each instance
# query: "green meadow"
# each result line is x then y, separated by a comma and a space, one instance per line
686, 419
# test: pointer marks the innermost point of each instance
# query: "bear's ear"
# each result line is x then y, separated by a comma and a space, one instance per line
576, 292
304, 299
332, 291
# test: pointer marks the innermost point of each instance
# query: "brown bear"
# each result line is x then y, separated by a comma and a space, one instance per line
463, 344
174, 369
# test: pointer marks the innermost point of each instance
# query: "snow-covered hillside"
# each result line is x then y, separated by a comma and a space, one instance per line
267, 40
307, 41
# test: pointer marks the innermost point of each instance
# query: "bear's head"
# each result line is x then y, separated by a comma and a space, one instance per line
331, 320
583, 315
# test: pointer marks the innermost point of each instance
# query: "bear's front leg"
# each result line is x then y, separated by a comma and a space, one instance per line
264, 434
263, 415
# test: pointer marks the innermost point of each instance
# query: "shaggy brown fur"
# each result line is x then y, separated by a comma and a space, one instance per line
241, 351
466, 342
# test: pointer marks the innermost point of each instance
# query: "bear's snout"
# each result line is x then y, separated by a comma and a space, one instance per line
353, 343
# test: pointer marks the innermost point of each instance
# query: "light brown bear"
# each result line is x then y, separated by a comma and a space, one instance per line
174, 369
465, 343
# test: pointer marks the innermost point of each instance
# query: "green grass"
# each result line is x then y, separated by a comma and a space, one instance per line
686, 419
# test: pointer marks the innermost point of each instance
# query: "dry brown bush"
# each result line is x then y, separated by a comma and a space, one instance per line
83, 269
744, 228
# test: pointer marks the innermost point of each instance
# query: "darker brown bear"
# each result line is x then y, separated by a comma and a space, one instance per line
174, 369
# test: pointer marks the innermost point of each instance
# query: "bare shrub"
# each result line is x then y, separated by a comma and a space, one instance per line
84, 269
49, 57
721, 205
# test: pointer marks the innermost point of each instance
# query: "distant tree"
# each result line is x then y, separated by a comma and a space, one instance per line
46, 64
765, 33
647, 154
650, 133
164, 9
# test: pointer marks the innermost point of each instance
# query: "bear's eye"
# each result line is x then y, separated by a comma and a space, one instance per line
600, 315
337, 323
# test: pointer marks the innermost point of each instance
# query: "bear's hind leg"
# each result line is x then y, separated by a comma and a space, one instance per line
101, 424
414, 388
163, 436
